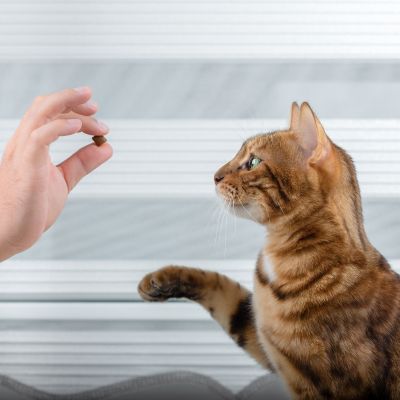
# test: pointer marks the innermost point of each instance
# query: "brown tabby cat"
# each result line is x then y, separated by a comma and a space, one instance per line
325, 312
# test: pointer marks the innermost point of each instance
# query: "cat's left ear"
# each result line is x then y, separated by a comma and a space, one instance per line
312, 137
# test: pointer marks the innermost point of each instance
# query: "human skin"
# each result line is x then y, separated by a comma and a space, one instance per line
33, 190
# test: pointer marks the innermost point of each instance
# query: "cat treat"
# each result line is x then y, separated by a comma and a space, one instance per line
99, 140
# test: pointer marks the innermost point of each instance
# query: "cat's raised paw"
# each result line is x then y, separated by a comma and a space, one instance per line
167, 282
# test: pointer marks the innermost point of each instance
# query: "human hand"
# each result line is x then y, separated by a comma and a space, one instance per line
33, 190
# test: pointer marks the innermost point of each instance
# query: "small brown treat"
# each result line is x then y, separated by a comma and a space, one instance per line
99, 140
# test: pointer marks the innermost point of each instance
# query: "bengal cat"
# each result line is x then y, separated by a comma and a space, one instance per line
324, 313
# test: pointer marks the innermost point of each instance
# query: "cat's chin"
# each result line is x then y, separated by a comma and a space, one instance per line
249, 211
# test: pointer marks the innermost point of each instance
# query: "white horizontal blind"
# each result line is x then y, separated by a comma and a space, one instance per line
66, 347
179, 157
196, 29
78, 357
61, 280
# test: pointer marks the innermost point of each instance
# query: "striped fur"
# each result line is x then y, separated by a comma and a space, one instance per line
227, 301
329, 321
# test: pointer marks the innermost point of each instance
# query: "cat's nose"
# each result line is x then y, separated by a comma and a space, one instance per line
218, 178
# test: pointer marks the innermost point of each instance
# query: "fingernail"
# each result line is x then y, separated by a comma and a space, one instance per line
103, 127
82, 89
74, 123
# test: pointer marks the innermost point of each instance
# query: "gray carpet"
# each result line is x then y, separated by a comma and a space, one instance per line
175, 385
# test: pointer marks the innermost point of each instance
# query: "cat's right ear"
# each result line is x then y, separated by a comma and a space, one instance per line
295, 117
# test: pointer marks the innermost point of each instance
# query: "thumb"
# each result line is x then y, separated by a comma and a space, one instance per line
84, 161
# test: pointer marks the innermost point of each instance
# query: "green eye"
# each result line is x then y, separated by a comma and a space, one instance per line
253, 162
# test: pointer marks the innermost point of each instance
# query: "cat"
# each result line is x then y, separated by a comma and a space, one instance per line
325, 311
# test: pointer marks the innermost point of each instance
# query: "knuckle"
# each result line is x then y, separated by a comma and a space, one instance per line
34, 133
36, 110
36, 137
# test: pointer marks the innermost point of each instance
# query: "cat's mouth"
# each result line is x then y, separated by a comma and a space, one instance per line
228, 197
241, 208
248, 210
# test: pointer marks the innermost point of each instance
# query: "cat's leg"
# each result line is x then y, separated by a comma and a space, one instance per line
227, 301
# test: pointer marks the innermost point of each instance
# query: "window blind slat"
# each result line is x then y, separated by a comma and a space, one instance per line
66, 346
93, 280
199, 30
179, 157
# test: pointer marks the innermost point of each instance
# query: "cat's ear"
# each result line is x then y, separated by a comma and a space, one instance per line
294, 117
312, 137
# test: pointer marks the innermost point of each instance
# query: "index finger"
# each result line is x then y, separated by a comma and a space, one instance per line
45, 108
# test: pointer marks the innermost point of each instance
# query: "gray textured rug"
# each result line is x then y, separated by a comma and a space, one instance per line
175, 385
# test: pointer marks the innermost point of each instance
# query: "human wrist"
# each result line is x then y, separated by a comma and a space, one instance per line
8, 246
6, 250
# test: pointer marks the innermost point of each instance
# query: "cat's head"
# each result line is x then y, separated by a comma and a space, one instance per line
275, 174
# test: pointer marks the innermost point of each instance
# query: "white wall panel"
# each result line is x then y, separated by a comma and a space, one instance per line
179, 157
157, 29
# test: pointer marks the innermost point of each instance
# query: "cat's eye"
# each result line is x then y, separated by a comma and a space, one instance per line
253, 162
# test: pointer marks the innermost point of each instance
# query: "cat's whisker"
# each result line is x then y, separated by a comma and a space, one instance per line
225, 223
216, 212
245, 209
214, 215
233, 209
225, 220
219, 221
214, 209
227, 205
